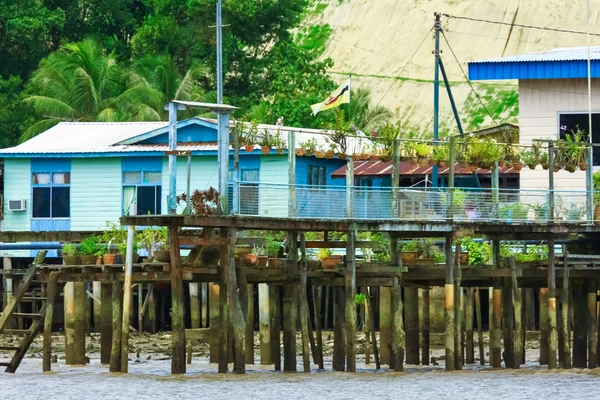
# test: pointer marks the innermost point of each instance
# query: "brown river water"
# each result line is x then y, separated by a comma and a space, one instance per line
150, 379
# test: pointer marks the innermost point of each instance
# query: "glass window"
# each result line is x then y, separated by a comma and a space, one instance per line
249, 175
316, 175
132, 177
152, 177
570, 122
41, 202
148, 200
61, 178
41, 179
51, 195
60, 202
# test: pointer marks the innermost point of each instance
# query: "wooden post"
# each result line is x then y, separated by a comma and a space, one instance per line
385, 330
177, 306
151, 308
96, 306
458, 317
564, 300
470, 356
318, 302
204, 304
449, 306
425, 326
495, 330
339, 343
517, 308
194, 305
127, 299
105, 322
249, 335
544, 326
274, 310
366, 328
350, 282
579, 326
369, 306
237, 317
214, 295
263, 321
49, 317
411, 314
508, 324
290, 307
304, 318
479, 326
592, 325
552, 334
117, 318
223, 324
398, 335
75, 323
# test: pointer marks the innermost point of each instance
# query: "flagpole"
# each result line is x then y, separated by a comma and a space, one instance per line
349, 98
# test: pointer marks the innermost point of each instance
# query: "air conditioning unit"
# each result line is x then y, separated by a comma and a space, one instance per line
17, 205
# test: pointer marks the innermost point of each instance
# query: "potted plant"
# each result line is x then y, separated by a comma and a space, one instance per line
89, 248
122, 253
258, 256
70, 256
272, 247
266, 142
109, 258
312, 264
429, 251
441, 155
410, 252
307, 148
279, 143
544, 160
530, 158
163, 248
516, 162
328, 261
541, 212
319, 152
423, 152
596, 187
574, 212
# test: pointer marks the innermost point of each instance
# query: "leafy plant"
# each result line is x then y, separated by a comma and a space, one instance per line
411, 246
516, 211
69, 249
480, 252
483, 152
204, 202
324, 253
90, 246
441, 153
596, 186
359, 298
423, 150
309, 146
574, 212
272, 246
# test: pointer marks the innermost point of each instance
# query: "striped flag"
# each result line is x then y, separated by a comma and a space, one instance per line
339, 96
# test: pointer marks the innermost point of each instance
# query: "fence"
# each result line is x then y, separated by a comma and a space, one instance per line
412, 204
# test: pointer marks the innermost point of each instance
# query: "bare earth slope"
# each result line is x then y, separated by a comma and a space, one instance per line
374, 40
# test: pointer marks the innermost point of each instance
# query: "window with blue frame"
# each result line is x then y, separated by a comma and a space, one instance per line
51, 195
248, 191
143, 188
316, 175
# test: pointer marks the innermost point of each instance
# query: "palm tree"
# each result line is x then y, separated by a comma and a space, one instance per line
81, 82
362, 115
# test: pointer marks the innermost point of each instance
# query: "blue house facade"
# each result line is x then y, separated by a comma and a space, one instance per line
78, 176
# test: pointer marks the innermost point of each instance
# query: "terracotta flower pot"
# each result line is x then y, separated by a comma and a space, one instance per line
473, 167
280, 151
329, 263
162, 255
341, 156
109, 259
71, 260
249, 148
299, 152
329, 154
423, 162
545, 166
312, 265
356, 157
262, 261
320, 154
464, 258
374, 157
583, 166
442, 164
410, 257
265, 149
88, 259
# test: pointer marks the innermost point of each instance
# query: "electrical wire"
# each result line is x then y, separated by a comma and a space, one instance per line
405, 65
467, 80
541, 28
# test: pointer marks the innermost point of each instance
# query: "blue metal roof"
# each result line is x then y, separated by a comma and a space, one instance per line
561, 63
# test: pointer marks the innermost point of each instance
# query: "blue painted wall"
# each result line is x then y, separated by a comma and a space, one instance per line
50, 165
135, 164
330, 165
189, 133
532, 70
17, 186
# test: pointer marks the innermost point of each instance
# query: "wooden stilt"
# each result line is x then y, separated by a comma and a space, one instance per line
516, 301
479, 326
80, 323
318, 301
290, 307
96, 306
105, 322
48, 319
127, 300
425, 326
178, 342
449, 306
552, 334
579, 325
214, 295
140, 299
385, 330
69, 313
274, 309
327, 295
303, 305
592, 325
117, 317
264, 322
366, 328
151, 309
544, 326
339, 343
249, 335
350, 282
470, 350
458, 317
411, 315
223, 324
490, 323
204, 304
398, 335
194, 305
237, 316
369, 306
564, 300
508, 324
496, 326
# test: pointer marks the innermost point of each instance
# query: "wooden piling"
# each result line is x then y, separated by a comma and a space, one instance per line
458, 315
470, 349
263, 324
246, 294
411, 315
552, 333
105, 322
543, 322
96, 306
204, 304
178, 342
339, 342
564, 300
479, 326
517, 309
369, 306
385, 330
508, 324
398, 335
366, 328
214, 295
48, 319
496, 325
303, 305
318, 313
580, 314
151, 309
275, 326
117, 317
140, 299
425, 326
350, 283
75, 323
194, 305
223, 324
592, 325
290, 306
237, 316
449, 306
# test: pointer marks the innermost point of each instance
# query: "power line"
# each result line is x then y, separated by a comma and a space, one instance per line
540, 28
467, 80
405, 65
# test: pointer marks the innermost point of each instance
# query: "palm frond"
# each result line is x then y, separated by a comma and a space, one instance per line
38, 128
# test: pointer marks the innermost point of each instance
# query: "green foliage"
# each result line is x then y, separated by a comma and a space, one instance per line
313, 38
480, 252
502, 104
69, 249
90, 246
324, 253
411, 246
359, 298
596, 186
272, 246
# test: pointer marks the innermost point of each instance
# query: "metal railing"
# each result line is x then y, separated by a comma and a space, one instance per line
412, 204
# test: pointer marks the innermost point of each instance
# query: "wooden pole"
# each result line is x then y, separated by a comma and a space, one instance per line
204, 304
105, 322
117, 318
249, 335
263, 321
495, 331
75, 324
127, 298
339, 342
544, 326
458, 333
223, 325
237, 317
579, 326
425, 326
151, 308
304, 318
140, 299
592, 325
449, 306
552, 334
96, 305
398, 335
385, 329
214, 296
366, 328
290, 307
479, 326
318, 300
274, 309
508, 324
369, 306
411, 315
178, 342
566, 349
194, 305
48, 319
350, 282
470, 356
517, 308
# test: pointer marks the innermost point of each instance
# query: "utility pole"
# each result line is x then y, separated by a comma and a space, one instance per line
222, 122
219, 55
437, 26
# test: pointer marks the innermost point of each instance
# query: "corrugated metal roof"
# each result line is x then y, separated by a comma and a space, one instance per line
558, 54
382, 168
